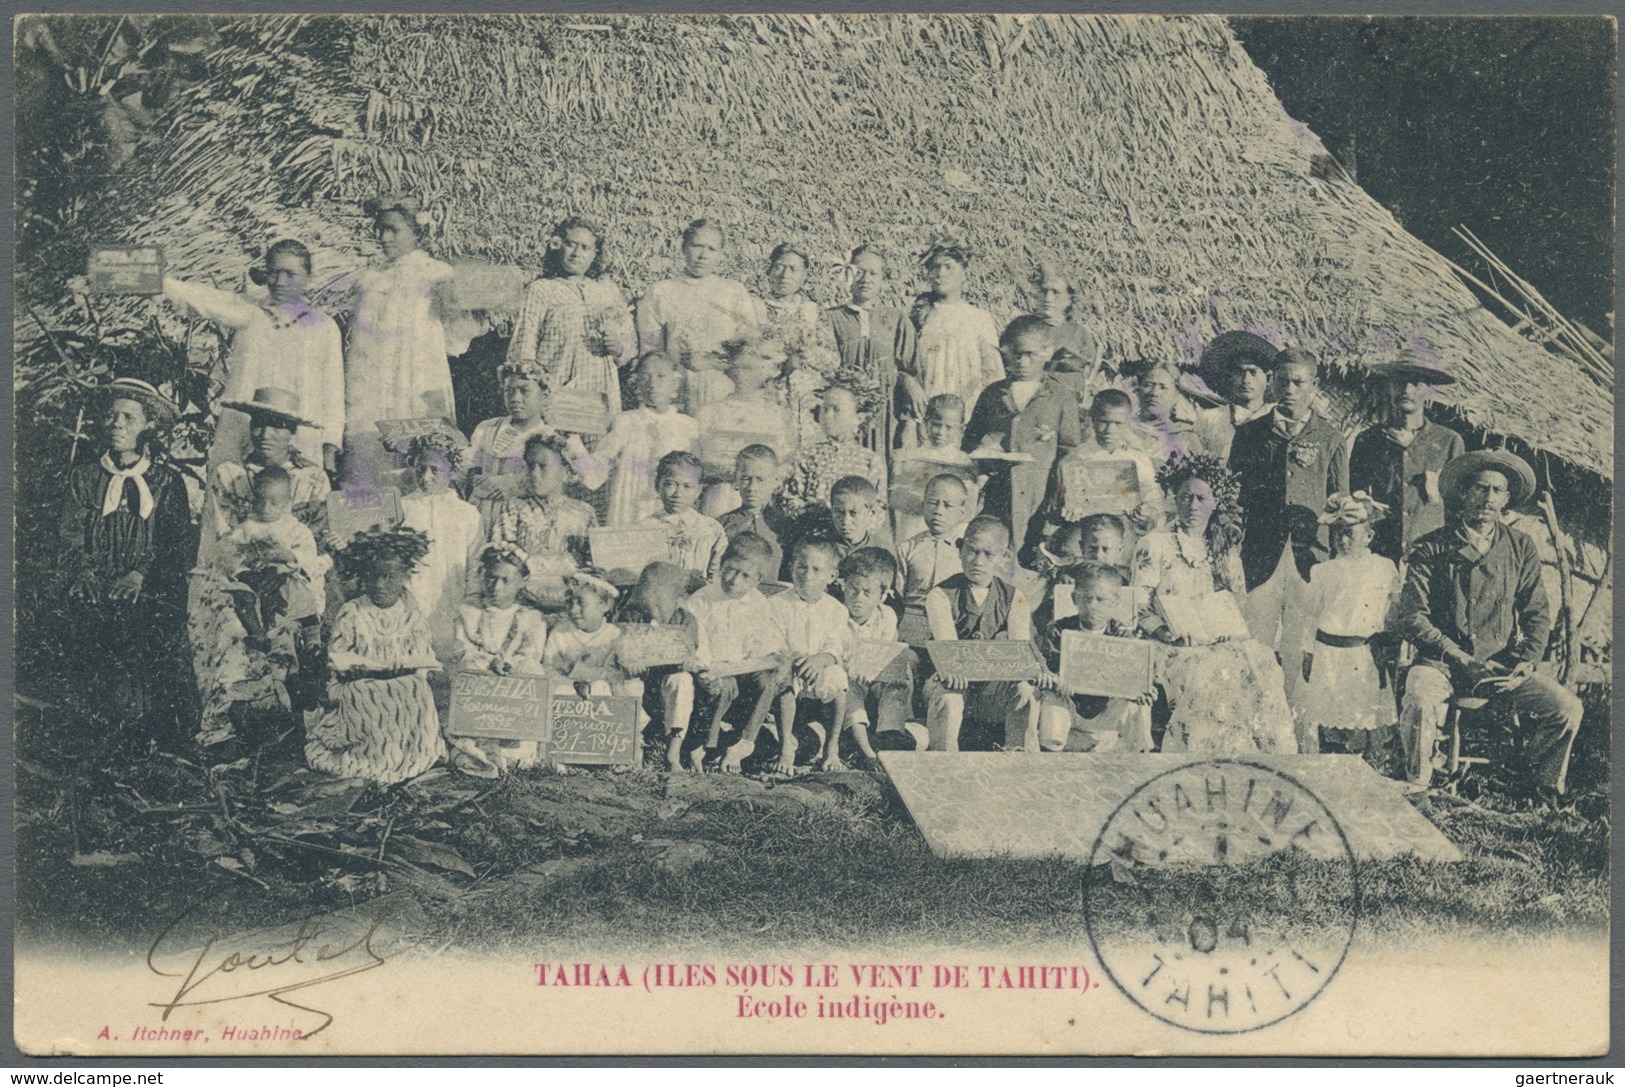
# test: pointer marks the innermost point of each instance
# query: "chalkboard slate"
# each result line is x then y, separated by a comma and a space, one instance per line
487, 705
600, 731
397, 434
1099, 665
984, 661
126, 269
349, 513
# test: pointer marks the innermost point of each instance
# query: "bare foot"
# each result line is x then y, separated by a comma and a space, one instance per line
696, 760
832, 764
787, 760
674, 752
737, 754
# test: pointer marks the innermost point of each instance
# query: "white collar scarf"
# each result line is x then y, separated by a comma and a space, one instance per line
136, 473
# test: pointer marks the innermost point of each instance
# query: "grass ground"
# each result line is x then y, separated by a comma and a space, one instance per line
643, 860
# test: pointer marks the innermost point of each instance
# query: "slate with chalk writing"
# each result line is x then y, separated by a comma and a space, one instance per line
126, 269
600, 731
486, 705
985, 661
1100, 665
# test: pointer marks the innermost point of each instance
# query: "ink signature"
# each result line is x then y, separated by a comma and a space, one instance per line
298, 964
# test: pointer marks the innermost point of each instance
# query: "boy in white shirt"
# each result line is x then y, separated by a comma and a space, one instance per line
697, 541
876, 706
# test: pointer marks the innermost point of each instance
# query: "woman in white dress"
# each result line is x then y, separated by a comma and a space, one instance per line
575, 325
958, 344
690, 318
1226, 690
280, 340
396, 364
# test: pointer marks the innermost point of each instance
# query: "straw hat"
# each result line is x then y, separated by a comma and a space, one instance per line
1409, 372
1225, 355
272, 405
161, 409
1519, 476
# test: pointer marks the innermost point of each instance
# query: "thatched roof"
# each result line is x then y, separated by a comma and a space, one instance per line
1147, 154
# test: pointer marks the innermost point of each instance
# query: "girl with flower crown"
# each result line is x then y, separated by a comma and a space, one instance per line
1346, 702
1225, 689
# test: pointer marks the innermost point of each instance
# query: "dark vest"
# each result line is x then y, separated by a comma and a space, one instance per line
984, 622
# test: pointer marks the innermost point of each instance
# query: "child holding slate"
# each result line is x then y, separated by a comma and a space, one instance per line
1081, 722
697, 541
499, 634
657, 600
629, 453
380, 722
737, 650
539, 520
877, 709
581, 648
1071, 497
979, 605
812, 627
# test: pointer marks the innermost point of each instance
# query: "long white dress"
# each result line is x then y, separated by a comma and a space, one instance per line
958, 352
396, 365
1348, 597
292, 346
440, 582
690, 319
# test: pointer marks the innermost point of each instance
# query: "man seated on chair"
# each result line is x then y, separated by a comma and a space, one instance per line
1473, 607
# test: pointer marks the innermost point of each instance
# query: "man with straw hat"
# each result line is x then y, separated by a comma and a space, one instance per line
1474, 609
1398, 461
1236, 366
273, 418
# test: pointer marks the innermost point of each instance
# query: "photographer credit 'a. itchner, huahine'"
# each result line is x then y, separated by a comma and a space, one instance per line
612, 499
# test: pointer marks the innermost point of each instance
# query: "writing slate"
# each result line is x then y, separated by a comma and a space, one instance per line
622, 553
353, 512
125, 269
597, 731
643, 646
397, 434
1099, 486
1100, 665
985, 661
489, 706
719, 449
886, 661
906, 492
576, 411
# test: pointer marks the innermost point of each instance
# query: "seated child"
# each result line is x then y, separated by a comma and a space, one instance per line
1096, 540
581, 648
817, 467
1111, 426
979, 604
657, 600
812, 628
271, 520
737, 648
1079, 722
857, 517
497, 633
877, 711
944, 428
628, 454
930, 557
545, 524
697, 541
495, 464
756, 473
380, 723
1028, 414
453, 528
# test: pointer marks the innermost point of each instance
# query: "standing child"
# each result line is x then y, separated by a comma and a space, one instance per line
697, 541
541, 521
944, 427
1029, 414
752, 408
979, 604
756, 474
629, 453
495, 465
657, 600
812, 628
1079, 722
453, 529
817, 467
958, 346
737, 649
496, 633
877, 340
1345, 691
930, 557
877, 710
380, 724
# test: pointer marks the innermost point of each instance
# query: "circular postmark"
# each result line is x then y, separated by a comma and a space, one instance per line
1221, 896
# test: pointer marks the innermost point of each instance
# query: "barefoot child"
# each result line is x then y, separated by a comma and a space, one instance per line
756, 474
380, 724
931, 557
738, 648
697, 541
1077, 722
545, 524
581, 648
657, 600
453, 528
812, 626
1345, 692
979, 604
499, 634
630, 452
877, 711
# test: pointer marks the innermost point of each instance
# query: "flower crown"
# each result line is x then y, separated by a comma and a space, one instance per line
1210, 470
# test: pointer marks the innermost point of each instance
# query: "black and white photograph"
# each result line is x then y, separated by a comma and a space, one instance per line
813, 534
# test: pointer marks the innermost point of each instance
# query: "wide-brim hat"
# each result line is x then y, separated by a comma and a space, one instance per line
1519, 476
1410, 373
1223, 357
273, 405
160, 408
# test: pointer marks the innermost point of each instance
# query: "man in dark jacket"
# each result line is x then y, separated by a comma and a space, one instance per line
1287, 462
1398, 461
1474, 608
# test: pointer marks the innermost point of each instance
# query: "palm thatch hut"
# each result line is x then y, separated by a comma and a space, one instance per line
1147, 154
